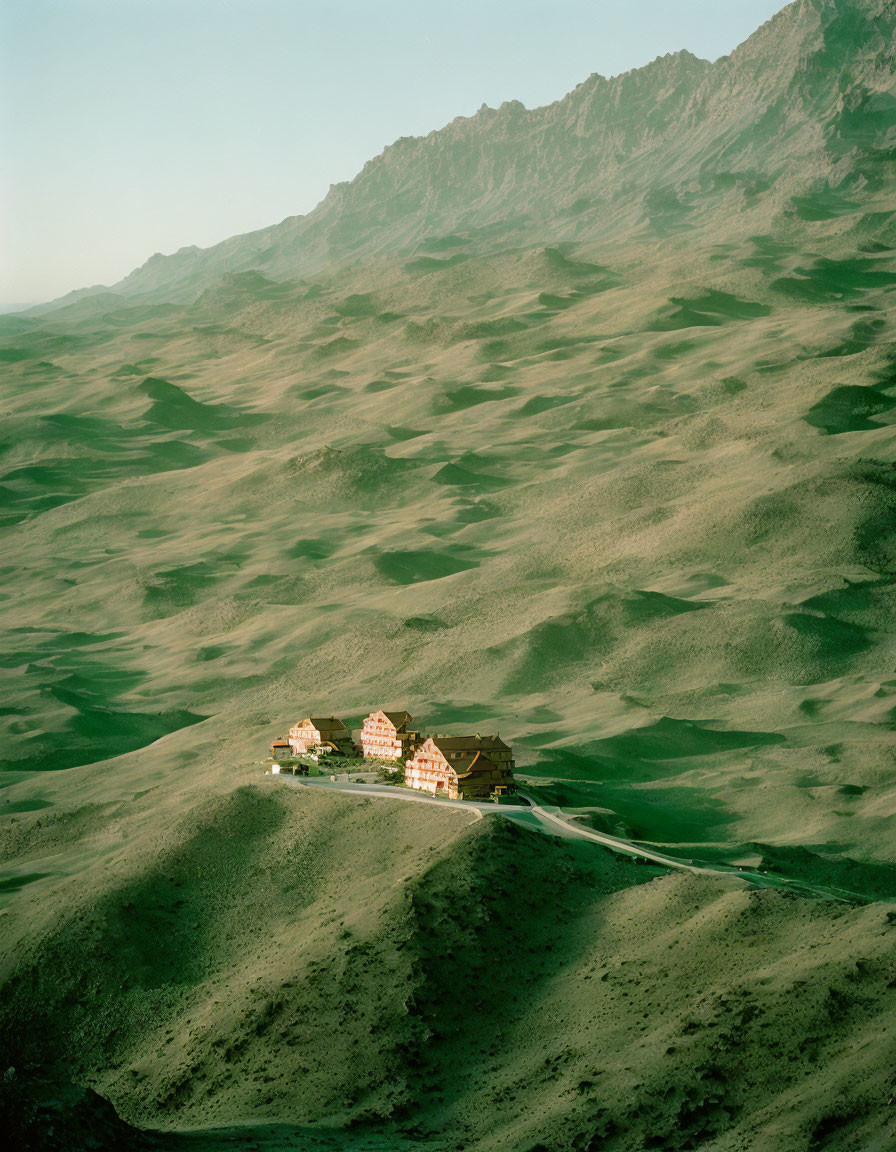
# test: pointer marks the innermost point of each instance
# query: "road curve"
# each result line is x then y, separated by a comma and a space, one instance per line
555, 822
613, 842
391, 792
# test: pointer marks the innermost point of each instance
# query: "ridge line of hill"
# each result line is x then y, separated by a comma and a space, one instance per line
610, 157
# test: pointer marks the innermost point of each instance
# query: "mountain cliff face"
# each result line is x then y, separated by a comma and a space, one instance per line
803, 107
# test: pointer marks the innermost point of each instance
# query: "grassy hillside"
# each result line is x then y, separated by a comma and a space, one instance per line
625, 494
654, 503
628, 544
292, 957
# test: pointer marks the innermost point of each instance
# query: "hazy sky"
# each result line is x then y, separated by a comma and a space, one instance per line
136, 126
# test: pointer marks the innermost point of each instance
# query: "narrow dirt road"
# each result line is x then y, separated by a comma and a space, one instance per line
555, 822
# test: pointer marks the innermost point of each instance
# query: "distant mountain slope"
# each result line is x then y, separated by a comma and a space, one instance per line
797, 119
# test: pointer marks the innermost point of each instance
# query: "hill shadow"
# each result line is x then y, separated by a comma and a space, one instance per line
648, 753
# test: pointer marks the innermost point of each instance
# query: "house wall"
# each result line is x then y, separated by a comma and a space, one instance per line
304, 738
379, 738
429, 771
477, 787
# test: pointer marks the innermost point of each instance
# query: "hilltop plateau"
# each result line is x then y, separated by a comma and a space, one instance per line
574, 423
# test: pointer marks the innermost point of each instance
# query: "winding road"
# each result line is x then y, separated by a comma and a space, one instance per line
553, 821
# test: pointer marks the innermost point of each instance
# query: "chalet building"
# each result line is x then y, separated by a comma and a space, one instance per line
462, 767
388, 736
321, 734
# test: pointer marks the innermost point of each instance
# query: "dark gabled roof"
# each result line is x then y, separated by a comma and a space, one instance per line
328, 724
447, 744
461, 756
398, 719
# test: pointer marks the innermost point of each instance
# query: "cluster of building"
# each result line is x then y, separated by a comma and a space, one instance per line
459, 767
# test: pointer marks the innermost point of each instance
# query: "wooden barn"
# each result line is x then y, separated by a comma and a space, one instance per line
388, 736
321, 734
462, 767
281, 748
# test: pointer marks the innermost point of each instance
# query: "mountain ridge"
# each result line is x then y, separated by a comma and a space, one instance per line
581, 168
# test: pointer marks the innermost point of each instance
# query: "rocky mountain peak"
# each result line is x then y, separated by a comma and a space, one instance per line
812, 84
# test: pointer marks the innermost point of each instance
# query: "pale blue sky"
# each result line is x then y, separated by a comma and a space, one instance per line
136, 126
